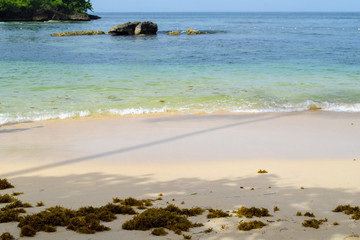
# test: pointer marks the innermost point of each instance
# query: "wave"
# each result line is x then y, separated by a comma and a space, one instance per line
305, 106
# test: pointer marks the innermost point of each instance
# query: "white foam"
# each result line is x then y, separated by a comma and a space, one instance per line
246, 108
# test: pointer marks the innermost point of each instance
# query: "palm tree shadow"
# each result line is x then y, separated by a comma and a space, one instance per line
141, 146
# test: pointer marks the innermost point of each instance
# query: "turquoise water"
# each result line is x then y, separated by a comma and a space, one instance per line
249, 62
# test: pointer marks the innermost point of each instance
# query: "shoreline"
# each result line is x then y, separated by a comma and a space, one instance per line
210, 161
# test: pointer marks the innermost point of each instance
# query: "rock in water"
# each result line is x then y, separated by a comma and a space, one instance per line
124, 29
77, 33
146, 28
174, 33
134, 28
194, 32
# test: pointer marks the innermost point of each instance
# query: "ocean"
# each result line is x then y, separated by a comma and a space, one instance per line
248, 62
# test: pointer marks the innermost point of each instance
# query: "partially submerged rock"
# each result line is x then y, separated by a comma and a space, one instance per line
134, 28
146, 28
193, 32
174, 33
77, 33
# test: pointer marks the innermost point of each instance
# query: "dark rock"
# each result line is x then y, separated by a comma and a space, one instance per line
134, 28
42, 15
93, 17
146, 28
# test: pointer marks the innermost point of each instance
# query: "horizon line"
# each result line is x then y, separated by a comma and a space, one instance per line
307, 11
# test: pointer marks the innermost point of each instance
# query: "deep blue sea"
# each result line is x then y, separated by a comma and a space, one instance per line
248, 62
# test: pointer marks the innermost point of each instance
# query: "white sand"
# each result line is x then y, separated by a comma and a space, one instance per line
86, 161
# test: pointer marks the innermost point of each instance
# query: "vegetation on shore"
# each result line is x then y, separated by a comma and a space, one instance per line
28, 6
45, 10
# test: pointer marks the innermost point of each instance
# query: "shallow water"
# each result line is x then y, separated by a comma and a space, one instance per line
249, 62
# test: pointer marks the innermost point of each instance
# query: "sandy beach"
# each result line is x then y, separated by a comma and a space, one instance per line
208, 161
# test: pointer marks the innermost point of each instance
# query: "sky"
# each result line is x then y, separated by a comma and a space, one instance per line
225, 5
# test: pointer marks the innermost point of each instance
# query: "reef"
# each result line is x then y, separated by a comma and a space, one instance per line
77, 33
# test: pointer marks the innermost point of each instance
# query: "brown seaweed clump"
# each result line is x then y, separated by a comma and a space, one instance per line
16, 204
10, 215
140, 204
276, 208
217, 213
190, 212
6, 198
348, 210
309, 214
159, 218
4, 184
314, 223
16, 193
40, 204
299, 214
187, 236
7, 236
159, 232
252, 212
89, 224
247, 226
262, 171
85, 220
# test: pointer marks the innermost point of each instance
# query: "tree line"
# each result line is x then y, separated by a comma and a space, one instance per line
64, 6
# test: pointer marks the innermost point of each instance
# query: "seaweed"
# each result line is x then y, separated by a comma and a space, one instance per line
356, 215
4, 184
7, 236
251, 212
16, 204
40, 204
6, 198
276, 208
16, 193
10, 215
198, 224
141, 204
347, 209
309, 214
186, 211
157, 218
27, 231
314, 223
84, 220
217, 213
187, 236
262, 171
88, 224
336, 223
159, 232
209, 230
119, 209
299, 214
247, 226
